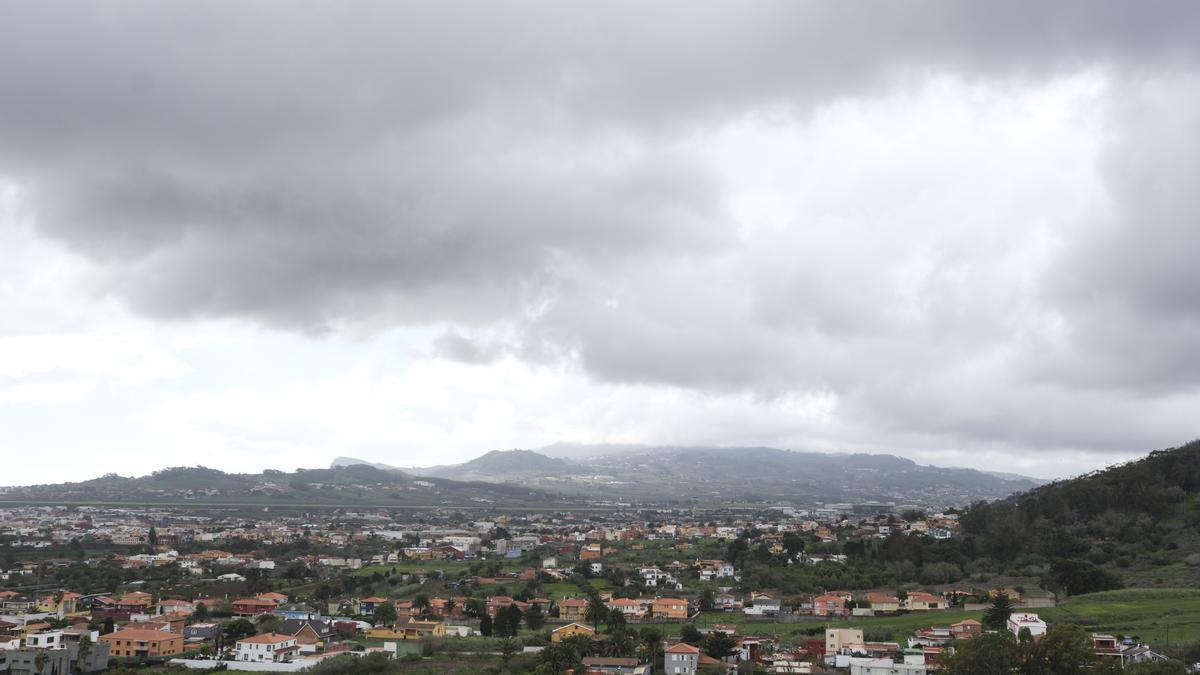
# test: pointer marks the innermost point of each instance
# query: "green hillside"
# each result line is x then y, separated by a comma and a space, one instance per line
1136, 521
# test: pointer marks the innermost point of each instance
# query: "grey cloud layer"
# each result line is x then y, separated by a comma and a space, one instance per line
315, 166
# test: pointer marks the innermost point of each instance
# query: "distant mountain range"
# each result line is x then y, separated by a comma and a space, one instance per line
635, 475
352, 483
718, 474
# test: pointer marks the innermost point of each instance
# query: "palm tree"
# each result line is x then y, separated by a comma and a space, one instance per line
596, 612
619, 645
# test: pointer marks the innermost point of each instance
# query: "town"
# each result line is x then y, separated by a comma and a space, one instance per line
775, 590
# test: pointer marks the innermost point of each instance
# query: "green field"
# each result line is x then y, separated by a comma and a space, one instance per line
1155, 616
449, 567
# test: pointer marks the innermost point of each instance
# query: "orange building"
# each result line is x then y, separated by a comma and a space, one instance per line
252, 606
572, 609
140, 642
670, 608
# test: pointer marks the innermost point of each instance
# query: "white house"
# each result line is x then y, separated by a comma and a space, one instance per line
723, 570
274, 647
763, 605
1017, 621
652, 576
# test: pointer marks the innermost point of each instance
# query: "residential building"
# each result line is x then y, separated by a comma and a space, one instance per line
763, 605
308, 632
570, 630
919, 601
367, 606
883, 602
137, 642
409, 630
572, 609
628, 607
298, 610
613, 666
267, 647
681, 659
201, 632
669, 608
1018, 621
252, 606
830, 604
967, 628
838, 640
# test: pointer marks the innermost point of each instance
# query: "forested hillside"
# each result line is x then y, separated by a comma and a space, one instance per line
1136, 520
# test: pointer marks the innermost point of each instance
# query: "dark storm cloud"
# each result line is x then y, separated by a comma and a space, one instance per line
317, 165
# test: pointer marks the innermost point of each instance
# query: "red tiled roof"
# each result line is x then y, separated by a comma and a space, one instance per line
682, 648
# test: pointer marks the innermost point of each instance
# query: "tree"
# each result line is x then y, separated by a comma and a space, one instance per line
707, 599
508, 621
421, 602
615, 620
690, 635
152, 537
793, 545
39, 661
559, 657
992, 653
108, 625
996, 615
534, 617
85, 650
1066, 649
385, 614
485, 625
200, 614
237, 629
620, 645
596, 611
1076, 577
268, 623
651, 644
507, 648
719, 645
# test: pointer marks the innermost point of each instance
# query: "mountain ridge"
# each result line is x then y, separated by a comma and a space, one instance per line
750, 474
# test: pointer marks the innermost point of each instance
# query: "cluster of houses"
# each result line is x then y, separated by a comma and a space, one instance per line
583, 537
146, 629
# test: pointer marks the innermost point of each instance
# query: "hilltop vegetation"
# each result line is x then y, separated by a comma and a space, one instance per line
1137, 521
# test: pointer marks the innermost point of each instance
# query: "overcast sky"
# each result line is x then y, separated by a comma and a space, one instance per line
260, 235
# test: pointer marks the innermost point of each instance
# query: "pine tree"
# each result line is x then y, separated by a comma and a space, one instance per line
534, 617
996, 616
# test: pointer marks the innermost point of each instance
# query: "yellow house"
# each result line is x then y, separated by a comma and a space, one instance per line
58, 602
571, 630
883, 602
921, 601
409, 630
